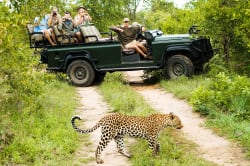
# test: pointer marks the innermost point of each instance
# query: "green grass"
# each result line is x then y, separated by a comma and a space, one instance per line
183, 86
175, 150
228, 124
43, 136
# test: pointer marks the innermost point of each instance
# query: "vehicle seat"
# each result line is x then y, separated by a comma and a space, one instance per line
36, 38
91, 34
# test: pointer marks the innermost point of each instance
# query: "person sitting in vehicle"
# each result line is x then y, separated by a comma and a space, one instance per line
54, 19
81, 18
42, 26
68, 25
127, 35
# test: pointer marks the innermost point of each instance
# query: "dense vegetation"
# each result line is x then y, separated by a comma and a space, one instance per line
24, 105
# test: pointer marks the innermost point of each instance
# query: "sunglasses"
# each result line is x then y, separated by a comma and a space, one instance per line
125, 21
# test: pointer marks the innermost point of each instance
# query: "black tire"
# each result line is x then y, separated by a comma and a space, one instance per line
81, 73
177, 66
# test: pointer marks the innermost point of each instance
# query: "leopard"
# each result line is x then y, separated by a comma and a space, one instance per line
116, 126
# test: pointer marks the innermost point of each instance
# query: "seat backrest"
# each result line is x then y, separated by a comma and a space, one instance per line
90, 33
30, 28
36, 38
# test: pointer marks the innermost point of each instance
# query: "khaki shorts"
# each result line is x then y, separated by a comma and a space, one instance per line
131, 43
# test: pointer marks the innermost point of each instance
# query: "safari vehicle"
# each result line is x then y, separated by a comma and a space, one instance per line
86, 62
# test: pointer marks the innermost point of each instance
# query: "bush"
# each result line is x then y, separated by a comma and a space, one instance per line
225, 93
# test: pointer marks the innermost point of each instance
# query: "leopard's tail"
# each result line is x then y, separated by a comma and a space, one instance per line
81, 130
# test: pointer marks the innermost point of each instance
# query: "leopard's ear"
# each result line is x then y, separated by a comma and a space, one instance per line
171, 115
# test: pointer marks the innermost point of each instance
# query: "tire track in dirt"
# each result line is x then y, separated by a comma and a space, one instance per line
93, 108
210, 146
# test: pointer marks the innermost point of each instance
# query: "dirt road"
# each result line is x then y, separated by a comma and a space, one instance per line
210, 146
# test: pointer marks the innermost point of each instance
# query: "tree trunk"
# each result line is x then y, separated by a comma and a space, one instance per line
226, 42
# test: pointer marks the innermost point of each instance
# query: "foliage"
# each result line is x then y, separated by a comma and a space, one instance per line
227, 23
29, 113
226, 94
22, 84
216, 65
43, 136
165, 16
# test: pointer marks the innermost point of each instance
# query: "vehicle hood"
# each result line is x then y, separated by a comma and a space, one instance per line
173, 37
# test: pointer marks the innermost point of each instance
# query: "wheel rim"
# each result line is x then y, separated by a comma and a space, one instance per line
178, 69
80, 73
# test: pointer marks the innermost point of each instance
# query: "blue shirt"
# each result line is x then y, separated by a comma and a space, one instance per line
43, 24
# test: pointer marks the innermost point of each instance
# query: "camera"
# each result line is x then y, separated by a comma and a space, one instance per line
54, 14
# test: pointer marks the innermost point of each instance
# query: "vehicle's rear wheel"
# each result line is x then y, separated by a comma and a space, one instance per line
179, 65
81, 73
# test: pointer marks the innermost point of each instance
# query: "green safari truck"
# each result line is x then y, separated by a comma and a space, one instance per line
178, 55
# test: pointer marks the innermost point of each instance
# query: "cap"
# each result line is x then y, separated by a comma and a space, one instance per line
126, 19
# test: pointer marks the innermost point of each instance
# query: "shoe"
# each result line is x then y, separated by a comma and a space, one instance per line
150, 57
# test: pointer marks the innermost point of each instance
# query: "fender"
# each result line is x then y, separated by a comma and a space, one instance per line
85, 55
179, 49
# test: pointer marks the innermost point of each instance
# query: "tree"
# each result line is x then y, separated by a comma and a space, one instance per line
227, 22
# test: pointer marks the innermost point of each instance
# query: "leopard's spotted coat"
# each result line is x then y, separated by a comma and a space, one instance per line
116, 126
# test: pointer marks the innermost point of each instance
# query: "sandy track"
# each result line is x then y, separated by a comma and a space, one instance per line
92, 110
210, 146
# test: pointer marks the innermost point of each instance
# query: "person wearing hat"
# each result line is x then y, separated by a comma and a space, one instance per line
54, 19
127, 35
81, 18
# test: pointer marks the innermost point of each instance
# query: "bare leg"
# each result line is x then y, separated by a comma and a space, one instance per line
141, 46
53, 36
137, 49
47, 36
79, 36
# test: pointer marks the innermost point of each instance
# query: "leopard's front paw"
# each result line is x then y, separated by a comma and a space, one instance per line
99, 161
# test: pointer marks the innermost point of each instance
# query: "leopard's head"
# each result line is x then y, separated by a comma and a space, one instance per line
175, 121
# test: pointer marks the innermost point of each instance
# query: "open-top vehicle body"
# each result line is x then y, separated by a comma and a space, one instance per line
84, 62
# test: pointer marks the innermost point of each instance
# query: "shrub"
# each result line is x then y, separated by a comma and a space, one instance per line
224, 93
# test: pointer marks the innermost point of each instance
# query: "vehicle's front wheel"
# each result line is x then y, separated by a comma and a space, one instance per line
81, 73
179, 65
